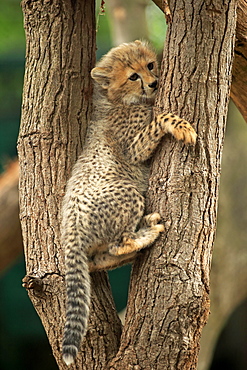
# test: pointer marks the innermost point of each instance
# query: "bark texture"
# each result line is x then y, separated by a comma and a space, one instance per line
239, 75
60, 54
171, 281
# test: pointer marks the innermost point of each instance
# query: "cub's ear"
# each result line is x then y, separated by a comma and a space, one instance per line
101, 75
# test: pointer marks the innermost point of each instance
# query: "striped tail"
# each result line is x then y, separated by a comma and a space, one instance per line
78, 297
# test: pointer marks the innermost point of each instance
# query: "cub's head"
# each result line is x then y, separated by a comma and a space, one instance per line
128, 73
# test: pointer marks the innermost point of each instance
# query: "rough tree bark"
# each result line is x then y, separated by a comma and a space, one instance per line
168, 303
239, 75
60, 36
172, 279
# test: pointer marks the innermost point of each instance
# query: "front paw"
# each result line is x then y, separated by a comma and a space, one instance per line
178, 127
182, 130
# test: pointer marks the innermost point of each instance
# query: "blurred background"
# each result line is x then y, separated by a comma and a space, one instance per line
23, 342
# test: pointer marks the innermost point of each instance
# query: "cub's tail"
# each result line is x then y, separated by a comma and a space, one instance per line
77, 280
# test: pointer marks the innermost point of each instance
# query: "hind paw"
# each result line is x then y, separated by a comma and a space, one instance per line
128, 245
151, 219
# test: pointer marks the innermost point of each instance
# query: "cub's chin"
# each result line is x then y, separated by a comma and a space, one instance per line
150, 100
139, 99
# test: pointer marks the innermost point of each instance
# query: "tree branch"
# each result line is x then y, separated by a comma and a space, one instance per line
239, 75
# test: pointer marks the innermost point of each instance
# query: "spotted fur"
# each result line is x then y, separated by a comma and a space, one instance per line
102, 215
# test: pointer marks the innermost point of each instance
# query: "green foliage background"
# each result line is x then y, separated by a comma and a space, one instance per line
12, 39
12, 49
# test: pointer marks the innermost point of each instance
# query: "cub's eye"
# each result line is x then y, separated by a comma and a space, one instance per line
134, 77
150, 66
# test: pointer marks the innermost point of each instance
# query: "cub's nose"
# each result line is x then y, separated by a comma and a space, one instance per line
153, 85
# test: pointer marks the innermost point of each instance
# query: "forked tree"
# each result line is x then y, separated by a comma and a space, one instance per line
168, 301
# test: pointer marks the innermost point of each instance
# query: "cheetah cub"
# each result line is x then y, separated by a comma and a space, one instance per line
103, 222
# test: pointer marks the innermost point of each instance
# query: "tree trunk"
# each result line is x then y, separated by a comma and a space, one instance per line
60, 54
168, 303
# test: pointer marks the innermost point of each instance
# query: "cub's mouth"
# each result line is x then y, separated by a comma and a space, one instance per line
150, 94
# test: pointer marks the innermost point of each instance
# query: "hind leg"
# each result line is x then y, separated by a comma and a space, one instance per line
150, 220
105, 261
132, 242
135, 241
126, 252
